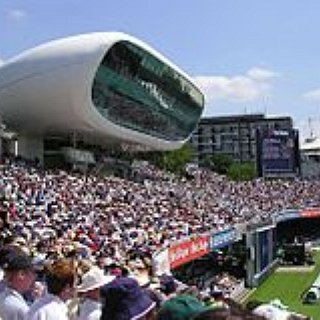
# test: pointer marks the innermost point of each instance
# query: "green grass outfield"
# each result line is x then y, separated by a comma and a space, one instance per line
288, 287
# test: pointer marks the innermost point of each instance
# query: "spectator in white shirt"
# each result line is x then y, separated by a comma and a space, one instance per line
89, 289
20, 277
60, 281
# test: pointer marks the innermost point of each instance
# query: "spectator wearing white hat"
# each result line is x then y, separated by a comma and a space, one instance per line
89, 289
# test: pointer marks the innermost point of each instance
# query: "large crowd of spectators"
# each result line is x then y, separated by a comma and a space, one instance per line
59, 227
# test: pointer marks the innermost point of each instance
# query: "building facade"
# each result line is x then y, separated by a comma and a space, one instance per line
233, 135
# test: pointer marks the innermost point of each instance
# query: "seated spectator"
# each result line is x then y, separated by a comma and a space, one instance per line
60, 280
140, 271
125, 300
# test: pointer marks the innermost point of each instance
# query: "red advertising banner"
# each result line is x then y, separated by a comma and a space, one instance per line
188, 250
311, 213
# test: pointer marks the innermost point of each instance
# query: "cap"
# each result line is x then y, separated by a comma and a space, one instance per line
17, 261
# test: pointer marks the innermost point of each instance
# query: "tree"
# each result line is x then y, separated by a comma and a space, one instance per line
220, 163
242, 171
175, 161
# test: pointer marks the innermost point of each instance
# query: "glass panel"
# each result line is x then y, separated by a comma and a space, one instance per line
134, 89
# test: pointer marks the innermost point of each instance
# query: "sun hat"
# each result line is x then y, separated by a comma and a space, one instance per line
124, 299
93, 279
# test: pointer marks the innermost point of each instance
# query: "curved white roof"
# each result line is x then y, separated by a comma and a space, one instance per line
48, 90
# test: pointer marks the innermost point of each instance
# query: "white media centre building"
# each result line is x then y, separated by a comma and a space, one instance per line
99, 89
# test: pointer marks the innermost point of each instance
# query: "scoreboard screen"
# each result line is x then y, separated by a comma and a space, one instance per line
261, 253
277, 152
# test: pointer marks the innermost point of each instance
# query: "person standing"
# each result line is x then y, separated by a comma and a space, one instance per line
20, 277
89, 289
60, 280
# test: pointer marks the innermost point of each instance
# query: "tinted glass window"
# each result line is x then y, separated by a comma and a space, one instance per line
134, 89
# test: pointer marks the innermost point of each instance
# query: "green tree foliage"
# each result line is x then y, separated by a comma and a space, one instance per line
173, 161
219, 163
242, 171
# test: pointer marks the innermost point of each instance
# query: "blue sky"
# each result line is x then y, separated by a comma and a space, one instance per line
247, 55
